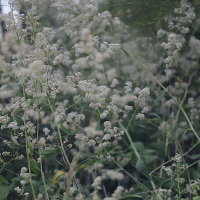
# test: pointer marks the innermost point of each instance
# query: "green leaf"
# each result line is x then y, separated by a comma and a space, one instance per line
138, 145
148, 151
89, 198
3, 192
34, 166
34, 163
52, 70
3, 179
160, 96
156, 134
115, 148
48, 151
196, 198
160, 149
125, 155
34, 169
150, 159
66, 130
142, 126
154, 115
141, 167
30, 146
88, 163
50, 184
193, 157
184, 191
13, 139
134, 158
173, 61
131, 196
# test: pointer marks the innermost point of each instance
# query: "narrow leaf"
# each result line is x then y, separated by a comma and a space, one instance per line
30, 146
34, 169
48, 151
160, 96
3, 179
196, 198
156, 134
34, 166
131, 196
66, 130
138, 145
58, 173
141, 167
88, 163
13, 139
150, 159
34, 163
193, 157
3, 192
125, 51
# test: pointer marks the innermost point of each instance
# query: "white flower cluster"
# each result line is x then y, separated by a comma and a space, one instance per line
74, 116
82, 141
193, 187
177, 158
170, 102
13, 126
113, 175
29, 127
5, 153
168, 170
164, 126
165, 193
114, 83
194, 114
118, 192
4, 120
91, 131
97, 183
180, 180
6, 142
95, 94
185, 11
95, 167
178, 168
97, 186
20, 157
18, 190
176, 41
79, 197
23, 173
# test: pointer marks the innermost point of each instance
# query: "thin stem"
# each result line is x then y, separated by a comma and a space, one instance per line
129, 123
130, 140
143, 186
42, 174
26, 136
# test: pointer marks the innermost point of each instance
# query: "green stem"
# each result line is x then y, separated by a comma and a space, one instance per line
129, 123
41, 162
130, 140
143, 186
26, 136
184, 97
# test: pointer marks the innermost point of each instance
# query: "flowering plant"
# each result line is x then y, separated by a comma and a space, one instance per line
92, 108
